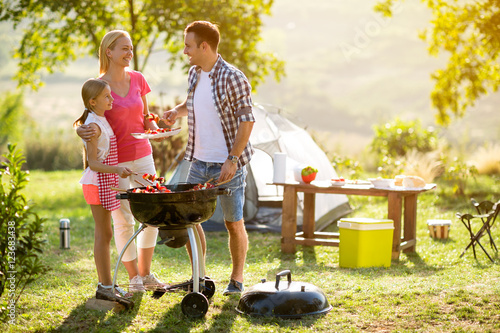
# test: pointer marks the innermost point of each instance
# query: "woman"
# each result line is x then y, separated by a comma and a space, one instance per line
128, 115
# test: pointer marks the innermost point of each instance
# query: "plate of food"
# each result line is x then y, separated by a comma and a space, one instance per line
337, 181
155, 134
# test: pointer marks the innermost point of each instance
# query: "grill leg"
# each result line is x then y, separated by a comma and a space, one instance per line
198, 260
201, 258
142, 227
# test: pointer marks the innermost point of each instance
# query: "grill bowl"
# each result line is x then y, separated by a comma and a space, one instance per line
176, 210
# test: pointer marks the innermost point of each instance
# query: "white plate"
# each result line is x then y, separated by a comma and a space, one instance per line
337, 183
381, 182
156, 136
358, 182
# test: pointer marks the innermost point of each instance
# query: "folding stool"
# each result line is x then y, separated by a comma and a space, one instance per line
475, 237
485, 207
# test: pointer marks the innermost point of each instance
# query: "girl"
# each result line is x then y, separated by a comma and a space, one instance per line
101, 173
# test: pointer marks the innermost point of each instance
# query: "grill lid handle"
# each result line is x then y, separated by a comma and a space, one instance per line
283, 273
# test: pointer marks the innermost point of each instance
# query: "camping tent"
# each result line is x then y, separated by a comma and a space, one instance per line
274, 133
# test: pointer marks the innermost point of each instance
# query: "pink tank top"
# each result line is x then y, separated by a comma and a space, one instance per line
127, 116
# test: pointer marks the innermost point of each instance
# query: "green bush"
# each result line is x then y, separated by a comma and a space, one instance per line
21, 229
347, 167
11, 114
395, 139
457, 173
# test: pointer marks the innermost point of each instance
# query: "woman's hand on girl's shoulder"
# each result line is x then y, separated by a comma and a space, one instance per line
86, 132
97, 132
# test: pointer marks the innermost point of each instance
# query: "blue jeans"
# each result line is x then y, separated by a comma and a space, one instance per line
232, 206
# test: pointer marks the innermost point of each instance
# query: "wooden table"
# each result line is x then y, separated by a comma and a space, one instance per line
401, 206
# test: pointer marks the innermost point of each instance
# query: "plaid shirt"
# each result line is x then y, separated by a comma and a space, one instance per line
233, 102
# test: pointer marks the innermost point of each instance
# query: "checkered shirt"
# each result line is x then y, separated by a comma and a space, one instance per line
231, 93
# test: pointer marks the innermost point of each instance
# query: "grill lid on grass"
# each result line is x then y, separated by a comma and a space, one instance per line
284, 299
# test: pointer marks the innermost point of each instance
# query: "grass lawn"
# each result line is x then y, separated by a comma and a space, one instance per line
432, 290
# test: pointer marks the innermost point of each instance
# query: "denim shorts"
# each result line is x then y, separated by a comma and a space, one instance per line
232, 206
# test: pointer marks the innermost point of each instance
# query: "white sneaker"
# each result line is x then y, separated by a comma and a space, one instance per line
118, 291
151, 282
135, 284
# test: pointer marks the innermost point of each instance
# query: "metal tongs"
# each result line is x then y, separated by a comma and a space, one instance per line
139, 180
142, 180
221, 183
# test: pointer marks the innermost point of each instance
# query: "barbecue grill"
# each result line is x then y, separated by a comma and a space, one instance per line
176, 214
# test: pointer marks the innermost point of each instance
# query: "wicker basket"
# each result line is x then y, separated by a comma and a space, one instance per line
439, 229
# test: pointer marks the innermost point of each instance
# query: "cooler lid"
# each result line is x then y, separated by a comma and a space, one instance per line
360, 223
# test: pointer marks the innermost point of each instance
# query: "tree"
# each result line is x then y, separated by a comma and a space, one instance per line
469, 33
56, 32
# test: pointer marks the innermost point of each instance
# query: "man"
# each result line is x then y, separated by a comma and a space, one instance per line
220, 120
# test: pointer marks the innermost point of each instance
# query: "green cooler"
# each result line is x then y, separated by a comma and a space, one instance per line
365, 242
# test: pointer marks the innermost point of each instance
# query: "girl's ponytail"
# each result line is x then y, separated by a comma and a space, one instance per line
81, 120
78, 122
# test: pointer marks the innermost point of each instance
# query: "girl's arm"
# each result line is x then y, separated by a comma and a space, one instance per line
94, 164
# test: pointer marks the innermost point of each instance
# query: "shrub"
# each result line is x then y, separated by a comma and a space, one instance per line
487, 160
21, 228
426, 165
347, 167
394, 140
390, 167
457, 173
11, 113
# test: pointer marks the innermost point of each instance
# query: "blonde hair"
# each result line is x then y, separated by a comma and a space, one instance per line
90, 90
109, 42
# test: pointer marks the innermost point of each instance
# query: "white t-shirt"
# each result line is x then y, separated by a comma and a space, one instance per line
90, 176
209, 142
